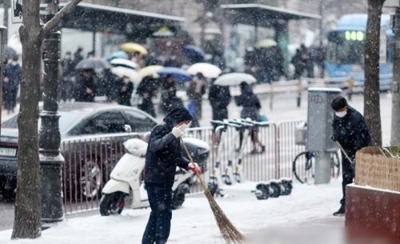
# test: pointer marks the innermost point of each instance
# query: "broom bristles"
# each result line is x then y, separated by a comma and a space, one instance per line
229, 232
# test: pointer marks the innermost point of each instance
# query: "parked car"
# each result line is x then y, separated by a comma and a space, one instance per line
91, 143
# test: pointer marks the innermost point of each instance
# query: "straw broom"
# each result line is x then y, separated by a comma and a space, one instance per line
227, 229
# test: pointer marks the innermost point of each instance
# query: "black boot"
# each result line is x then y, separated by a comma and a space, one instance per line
340, 212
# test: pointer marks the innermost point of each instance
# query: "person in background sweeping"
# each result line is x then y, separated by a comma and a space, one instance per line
164, 153
351, 132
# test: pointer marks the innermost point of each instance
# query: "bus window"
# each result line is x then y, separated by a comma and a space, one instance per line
346, 47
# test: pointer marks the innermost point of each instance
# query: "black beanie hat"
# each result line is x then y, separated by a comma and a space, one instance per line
178, 115
338, 103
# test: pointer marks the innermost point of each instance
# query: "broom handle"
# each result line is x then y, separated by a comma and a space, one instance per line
203, 184
344, 152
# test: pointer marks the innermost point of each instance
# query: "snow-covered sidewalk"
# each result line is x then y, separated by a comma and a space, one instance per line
303, 217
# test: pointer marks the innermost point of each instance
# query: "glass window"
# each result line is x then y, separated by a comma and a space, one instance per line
104, 123
139, 121
346, 47
67, 119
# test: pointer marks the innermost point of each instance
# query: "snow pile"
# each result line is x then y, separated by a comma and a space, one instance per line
300, 218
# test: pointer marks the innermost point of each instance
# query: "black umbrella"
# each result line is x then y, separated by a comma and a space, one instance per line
93, 63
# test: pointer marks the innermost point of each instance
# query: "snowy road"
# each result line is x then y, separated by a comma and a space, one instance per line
284, 109
303, 217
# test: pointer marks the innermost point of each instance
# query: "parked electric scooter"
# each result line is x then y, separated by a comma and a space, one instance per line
125, 186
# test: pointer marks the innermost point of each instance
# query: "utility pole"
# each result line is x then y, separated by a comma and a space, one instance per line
321, 36
395, 132
6, 7
51, 160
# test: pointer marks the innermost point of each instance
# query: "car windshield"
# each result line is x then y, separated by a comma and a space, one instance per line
67, 119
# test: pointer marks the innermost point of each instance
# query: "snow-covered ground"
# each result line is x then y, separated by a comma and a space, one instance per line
303, 217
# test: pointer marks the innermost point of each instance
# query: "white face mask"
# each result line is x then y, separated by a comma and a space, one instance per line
341, 114
14, 63
184, 127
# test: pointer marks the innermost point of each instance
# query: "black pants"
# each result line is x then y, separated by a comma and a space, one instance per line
159, 224
347, 175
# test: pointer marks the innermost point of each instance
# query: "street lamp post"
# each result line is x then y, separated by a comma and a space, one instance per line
51, 160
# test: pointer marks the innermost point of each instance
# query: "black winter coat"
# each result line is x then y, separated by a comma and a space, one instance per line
251, 105
82, 84
164, 153
351, 132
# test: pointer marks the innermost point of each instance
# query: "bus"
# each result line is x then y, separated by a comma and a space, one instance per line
344, 60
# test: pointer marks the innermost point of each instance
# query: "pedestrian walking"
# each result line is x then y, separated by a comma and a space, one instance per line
164, 154
11, 80
66, 83
219, 97
125, 89
147, 90
169, 100
351, 131
298, 64
251, 109
85, 87
195, 94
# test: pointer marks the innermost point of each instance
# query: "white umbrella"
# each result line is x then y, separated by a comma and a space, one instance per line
125, 72
208, 70
266, 43
119, 62
234, 79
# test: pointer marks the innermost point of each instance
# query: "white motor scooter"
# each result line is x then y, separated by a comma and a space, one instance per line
125, 186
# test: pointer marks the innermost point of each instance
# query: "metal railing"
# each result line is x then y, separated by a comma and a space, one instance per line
89, 162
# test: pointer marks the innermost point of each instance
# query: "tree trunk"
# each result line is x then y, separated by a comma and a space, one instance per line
28, 206
395, 130
372, 110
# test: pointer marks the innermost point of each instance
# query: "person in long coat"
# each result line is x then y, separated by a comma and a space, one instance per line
169, 99
125, 89
85, 87
251, 109
147, 90
11, 80
195, 94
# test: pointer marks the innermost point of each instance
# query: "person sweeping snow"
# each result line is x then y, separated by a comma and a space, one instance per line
351, 132
164, 153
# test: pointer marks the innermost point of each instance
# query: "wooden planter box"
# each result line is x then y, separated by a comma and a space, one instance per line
372, 216
373, 201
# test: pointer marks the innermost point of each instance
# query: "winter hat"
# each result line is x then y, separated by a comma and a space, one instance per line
338, 103
178, 115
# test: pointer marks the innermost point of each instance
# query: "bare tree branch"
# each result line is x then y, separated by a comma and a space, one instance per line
59, 16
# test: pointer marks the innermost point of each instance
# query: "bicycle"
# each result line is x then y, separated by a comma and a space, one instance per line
302, 166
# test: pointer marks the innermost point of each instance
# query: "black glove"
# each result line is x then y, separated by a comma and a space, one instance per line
333, 138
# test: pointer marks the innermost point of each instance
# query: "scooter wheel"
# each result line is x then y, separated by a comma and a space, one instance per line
286, 186
226, 179
237, 177
212, 185
111, 204
275, 190
262, 192
178, 197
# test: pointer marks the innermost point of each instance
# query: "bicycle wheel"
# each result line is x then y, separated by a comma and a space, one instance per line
335, 164
302, 167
